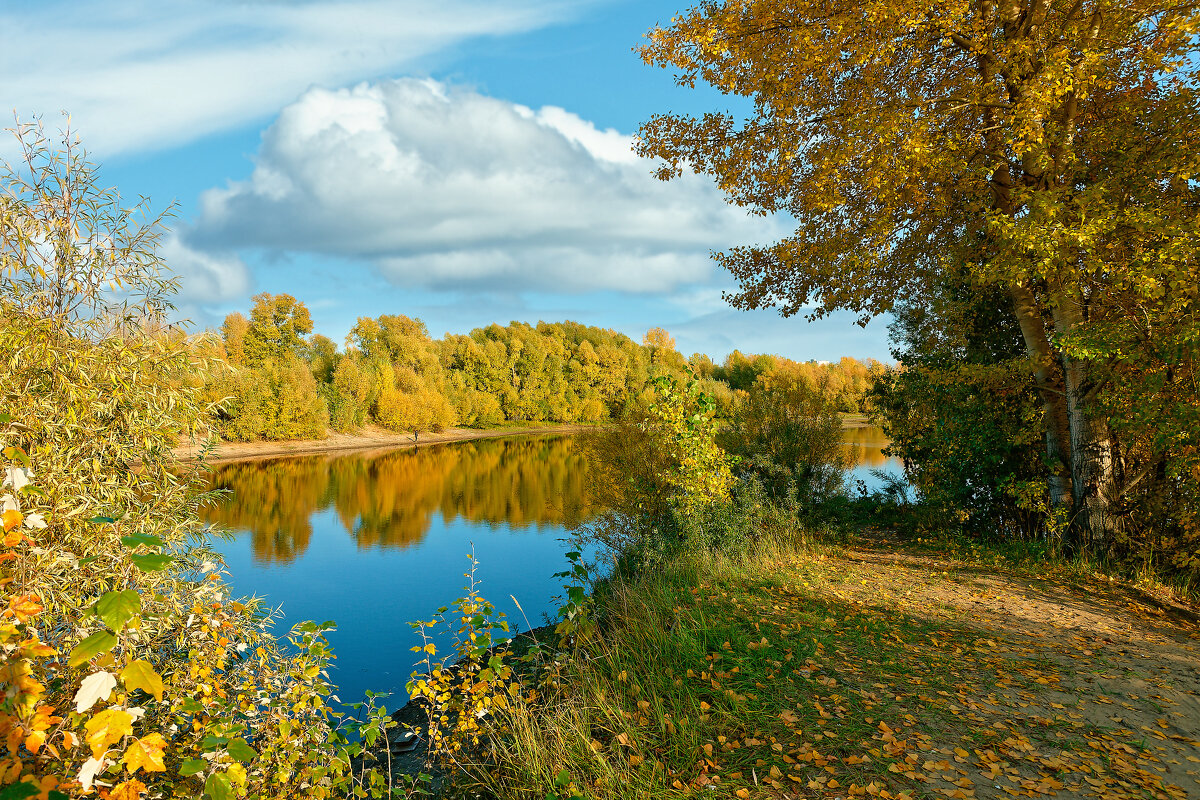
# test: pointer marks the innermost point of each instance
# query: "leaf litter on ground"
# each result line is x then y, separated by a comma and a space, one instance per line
880, 670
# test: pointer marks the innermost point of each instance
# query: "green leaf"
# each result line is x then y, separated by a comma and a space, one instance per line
192, 766
99, 642
134, 539
218, 787
100, 520
210, 743
117, 608
242, 751
18, 791
191, 705
151, 562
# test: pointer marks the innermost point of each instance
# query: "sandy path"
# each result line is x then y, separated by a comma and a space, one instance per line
1101, 678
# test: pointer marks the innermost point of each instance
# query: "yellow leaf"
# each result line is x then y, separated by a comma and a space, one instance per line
743, 793
25, 606
35, 740
141, 675
129, 790
11, 519
146, 753
106, 728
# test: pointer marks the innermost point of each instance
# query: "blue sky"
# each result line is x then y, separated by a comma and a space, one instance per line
463, 161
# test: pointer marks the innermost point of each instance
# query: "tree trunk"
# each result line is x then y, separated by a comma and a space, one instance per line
1050, 385
1093, 466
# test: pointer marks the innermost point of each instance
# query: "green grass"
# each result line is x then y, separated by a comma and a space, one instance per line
798, 672
729, 674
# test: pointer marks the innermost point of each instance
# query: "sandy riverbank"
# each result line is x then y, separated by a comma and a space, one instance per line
370, 439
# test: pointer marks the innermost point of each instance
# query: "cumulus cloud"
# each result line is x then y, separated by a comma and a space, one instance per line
443, 187
142, 73
205, 278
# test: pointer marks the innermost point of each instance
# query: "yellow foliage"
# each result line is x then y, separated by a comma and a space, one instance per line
106, 729
146, 753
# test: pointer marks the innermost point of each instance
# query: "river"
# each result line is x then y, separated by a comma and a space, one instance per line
377, 539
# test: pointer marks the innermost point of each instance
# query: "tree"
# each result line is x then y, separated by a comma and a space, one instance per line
277, 327
1042, 146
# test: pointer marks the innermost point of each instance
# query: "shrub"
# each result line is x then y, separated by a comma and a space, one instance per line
790, 441
127, 664
349, 396
660, 473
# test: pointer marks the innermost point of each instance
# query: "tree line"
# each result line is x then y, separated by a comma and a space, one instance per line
283, 381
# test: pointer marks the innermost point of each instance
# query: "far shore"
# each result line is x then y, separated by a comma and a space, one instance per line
376, 438
371, 438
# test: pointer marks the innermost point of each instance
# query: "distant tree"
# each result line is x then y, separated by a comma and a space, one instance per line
233, 332
278, 325
350, 393
322, 356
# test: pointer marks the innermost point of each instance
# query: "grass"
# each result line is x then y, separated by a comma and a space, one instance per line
793, 673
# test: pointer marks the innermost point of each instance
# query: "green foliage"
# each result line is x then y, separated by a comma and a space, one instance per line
963, 416
790, 440
664, 481
681, 420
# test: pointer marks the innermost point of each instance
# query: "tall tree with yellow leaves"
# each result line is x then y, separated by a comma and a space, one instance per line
1044, 147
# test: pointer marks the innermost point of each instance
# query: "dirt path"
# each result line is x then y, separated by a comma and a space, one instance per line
371, 438
1084, 688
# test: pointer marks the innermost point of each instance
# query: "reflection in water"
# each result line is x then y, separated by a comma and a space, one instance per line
866, 445
389, 500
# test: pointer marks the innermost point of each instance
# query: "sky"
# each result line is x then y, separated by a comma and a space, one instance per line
461, 161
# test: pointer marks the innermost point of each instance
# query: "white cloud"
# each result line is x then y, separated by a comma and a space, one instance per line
205, 278
140, 73
443, 187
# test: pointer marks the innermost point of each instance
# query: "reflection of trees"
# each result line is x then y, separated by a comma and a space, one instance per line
390, 500
272, 499
866, 445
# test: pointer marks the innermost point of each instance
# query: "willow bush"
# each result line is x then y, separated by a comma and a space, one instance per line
128, 667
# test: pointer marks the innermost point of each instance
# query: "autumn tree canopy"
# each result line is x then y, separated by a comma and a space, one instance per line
1044, 148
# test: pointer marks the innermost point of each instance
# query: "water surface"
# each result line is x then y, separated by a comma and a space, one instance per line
377, 539
374, 540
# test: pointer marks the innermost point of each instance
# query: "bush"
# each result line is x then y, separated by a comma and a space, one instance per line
790, 441
276, 400
661, 474
349, 396
126, 662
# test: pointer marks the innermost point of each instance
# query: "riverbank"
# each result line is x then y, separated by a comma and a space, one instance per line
371, 438
881, 668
